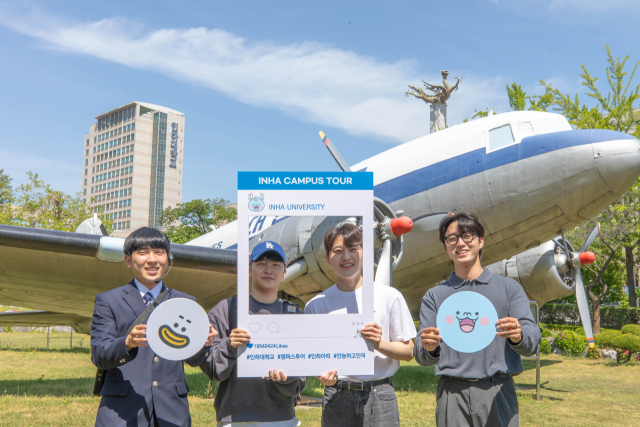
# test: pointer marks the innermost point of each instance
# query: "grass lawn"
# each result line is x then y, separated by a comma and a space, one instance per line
53, 388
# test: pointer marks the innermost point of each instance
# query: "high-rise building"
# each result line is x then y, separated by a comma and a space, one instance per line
133, 164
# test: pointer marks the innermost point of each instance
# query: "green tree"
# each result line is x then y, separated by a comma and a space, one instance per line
617, 110
479, 114
6, 197
36, 204
517, 97
6, 191
192, 219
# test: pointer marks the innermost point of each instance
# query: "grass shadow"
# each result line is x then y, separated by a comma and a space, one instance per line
416, 379
542, 387
48, 387
80, 350
528, 365
200, 385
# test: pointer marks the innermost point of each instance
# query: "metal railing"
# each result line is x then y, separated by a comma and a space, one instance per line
535, 311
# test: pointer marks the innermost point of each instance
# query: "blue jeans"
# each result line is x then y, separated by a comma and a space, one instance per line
371, 407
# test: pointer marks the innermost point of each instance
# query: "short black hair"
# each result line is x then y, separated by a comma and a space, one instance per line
271, 256
467, 223
351, 235
145, 238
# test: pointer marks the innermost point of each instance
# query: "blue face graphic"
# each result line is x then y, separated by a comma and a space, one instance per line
467, 322
256, 204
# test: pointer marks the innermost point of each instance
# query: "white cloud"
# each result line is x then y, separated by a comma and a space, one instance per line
593, 5
309, 80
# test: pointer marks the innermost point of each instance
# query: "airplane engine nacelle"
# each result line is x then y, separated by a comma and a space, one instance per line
541, 271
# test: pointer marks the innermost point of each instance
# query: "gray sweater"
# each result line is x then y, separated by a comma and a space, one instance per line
246, 399
501, 356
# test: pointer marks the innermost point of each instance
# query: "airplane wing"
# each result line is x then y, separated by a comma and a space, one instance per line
62, 272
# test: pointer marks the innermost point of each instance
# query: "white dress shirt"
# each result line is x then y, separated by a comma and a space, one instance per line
143, 289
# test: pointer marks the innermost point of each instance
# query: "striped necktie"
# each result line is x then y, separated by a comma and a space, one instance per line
148, 297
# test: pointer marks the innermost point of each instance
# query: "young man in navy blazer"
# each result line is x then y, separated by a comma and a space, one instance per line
140, 388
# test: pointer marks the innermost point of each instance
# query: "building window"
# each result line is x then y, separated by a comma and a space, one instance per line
86, 162
86, 171
133, 126
130, 180
133, 136
87, 142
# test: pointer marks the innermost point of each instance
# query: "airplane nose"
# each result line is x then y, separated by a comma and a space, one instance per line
618, 158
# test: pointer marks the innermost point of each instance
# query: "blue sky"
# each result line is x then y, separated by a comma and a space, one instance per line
257, 80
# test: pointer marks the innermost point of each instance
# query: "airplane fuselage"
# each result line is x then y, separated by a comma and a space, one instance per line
527, 175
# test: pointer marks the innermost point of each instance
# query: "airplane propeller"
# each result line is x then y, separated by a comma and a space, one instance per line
571, 263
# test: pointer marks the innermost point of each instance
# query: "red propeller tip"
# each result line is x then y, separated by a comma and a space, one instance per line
402, 225
586, 257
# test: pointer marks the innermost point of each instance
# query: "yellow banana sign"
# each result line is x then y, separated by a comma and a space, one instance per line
171, 338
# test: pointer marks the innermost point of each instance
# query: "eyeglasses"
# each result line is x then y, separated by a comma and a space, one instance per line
452, 239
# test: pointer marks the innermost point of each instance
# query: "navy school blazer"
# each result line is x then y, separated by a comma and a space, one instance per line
138, 383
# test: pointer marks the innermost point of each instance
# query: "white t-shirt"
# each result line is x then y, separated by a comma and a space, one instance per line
390, 312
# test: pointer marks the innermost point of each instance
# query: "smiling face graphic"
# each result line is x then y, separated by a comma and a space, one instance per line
172, 338
464, 318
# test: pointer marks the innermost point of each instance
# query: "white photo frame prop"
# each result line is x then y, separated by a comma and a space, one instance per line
305, 344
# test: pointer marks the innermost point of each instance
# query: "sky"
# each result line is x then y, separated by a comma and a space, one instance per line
257, 80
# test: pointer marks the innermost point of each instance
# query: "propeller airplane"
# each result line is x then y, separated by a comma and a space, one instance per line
527, 175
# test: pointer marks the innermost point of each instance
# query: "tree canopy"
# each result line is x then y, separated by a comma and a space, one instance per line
36, 204
192, 219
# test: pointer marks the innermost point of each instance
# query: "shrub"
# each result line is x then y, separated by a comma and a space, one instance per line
593, 353
545, 347
631, 329
626, 342
568, 314
603, 339
571, 343
545, 333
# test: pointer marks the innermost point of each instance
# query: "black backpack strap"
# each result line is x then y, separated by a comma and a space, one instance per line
147, 312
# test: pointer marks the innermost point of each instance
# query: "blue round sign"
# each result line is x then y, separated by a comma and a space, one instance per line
467, 322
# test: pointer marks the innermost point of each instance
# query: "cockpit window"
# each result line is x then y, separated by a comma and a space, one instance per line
500, 137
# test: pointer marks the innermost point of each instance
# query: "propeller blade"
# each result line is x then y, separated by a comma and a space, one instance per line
335, 153
429, 222
583, 307
564, 242
384, 274
591, 238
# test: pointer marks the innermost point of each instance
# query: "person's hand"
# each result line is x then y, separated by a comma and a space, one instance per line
211, 337
372, 332
509, 327
329, 379
239, 337
274, 375
430, 338
137, 337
